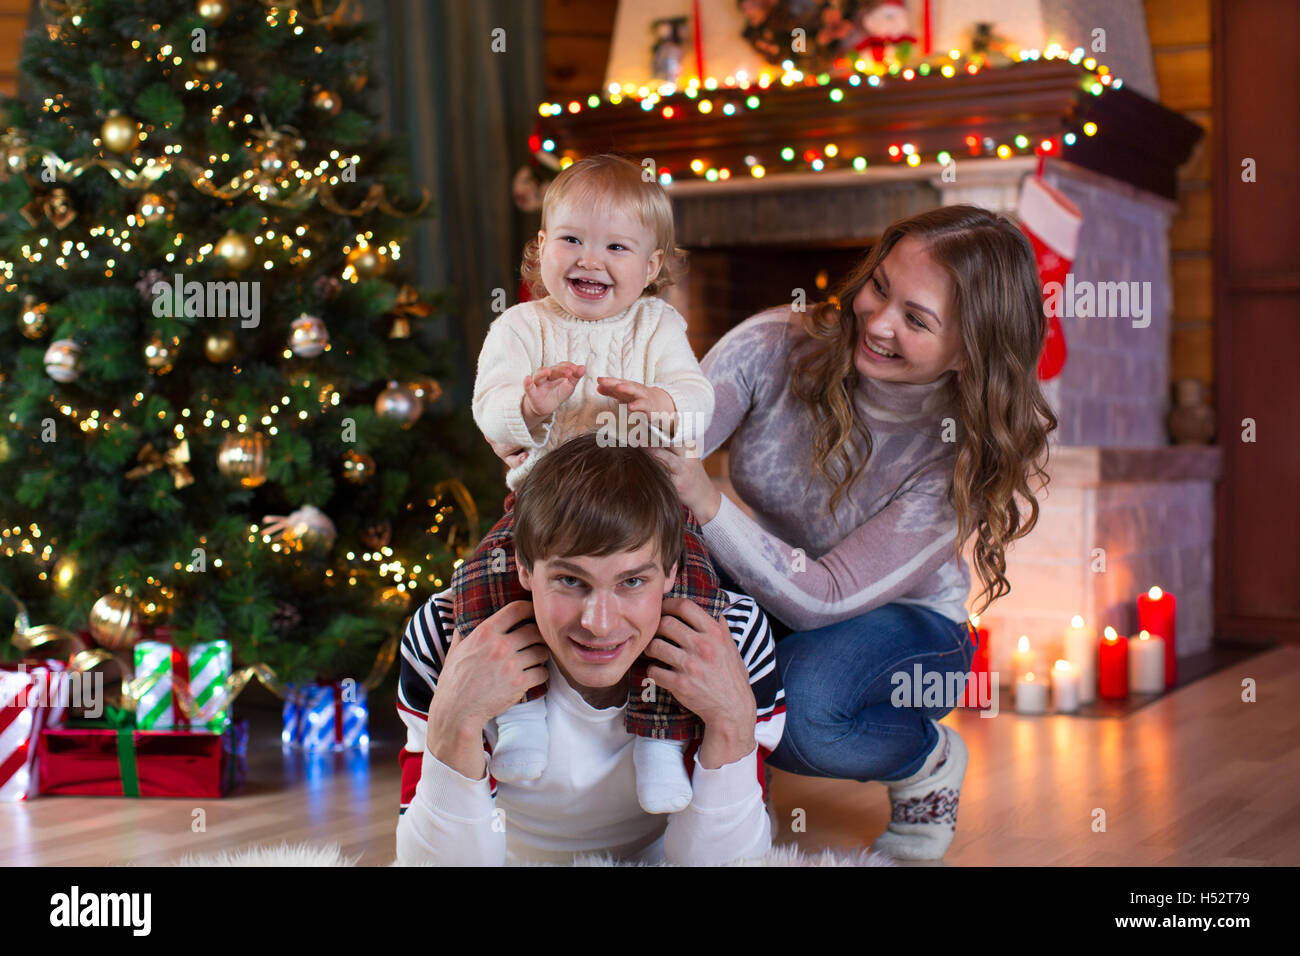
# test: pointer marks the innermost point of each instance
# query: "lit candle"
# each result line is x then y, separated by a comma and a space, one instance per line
979, 682
1081, 651
1065, 688
1112, 666
1158, 615
1031, 695
1146, 664
1022, 659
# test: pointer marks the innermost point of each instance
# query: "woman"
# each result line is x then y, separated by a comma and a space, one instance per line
872, 436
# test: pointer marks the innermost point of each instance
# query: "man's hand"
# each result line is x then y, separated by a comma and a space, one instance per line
482, 676
705, 673
547, 389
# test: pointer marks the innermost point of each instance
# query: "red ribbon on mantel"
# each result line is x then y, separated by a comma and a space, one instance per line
925, 33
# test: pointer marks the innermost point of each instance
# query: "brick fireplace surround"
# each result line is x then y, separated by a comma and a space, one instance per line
1115, 482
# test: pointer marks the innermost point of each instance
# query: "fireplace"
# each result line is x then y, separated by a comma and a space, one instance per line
1123, 509
793, 194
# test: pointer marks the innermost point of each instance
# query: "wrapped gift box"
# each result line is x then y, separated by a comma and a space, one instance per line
203, 669
33, 696
127, 762
326, 716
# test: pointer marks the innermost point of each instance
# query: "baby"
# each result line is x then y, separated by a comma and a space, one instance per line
558, 367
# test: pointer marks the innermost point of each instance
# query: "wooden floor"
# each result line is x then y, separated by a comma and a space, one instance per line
1197, 778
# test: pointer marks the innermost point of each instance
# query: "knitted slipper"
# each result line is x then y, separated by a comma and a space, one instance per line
924, 818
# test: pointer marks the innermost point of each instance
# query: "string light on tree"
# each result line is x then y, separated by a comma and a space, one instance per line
32, 321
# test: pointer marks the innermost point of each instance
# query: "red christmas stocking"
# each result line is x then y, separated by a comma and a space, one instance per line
1052, 222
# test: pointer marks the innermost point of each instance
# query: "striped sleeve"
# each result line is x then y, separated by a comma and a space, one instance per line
424, 648
753, 636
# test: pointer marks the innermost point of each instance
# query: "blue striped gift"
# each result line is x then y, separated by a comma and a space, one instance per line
312, 712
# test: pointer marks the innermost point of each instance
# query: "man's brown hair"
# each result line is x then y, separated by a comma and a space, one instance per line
585, 499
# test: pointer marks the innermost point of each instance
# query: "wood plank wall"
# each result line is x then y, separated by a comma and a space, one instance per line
1180, 46
13, 24
577, 39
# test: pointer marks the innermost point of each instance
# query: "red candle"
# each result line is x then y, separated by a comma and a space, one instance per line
1157, 615
979, 665
1112, 666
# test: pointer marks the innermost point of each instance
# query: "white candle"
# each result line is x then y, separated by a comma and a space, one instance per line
1146, 664
1031, 694
1022, 658
1081, 651
1065, 688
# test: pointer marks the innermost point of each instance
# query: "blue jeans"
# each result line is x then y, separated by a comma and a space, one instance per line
840, 720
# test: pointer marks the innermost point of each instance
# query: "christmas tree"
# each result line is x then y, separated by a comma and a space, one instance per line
219, 399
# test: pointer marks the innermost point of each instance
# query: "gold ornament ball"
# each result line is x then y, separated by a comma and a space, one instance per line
114, 622
219, 346
153, 207
327, 102
32, 321
63, 361
214, 11
368, 261
309, 336
160, 354
243, 457
235, 251
358, 467
120, 133
399, 402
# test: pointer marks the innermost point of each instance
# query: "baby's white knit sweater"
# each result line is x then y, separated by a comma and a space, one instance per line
645, 343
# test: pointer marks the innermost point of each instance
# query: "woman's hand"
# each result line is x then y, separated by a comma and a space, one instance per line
693, 484
703, 670
512, 455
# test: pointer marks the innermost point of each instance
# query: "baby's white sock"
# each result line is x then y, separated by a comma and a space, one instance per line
522, 742
662, 785
924, 805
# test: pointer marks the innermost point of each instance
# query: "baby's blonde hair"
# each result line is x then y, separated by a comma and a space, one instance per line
609, 181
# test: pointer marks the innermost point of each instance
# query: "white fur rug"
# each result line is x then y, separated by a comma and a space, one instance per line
307, 854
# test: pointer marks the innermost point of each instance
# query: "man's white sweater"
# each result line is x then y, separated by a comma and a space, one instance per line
585, 801
645, 343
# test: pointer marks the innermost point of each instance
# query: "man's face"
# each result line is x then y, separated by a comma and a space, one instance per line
597, 614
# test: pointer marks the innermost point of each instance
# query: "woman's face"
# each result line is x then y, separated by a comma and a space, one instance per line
907, 308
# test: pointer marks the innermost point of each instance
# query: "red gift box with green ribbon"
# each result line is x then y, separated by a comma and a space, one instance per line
111, 758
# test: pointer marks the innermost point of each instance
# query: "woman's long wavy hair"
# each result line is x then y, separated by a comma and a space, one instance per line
1005, 420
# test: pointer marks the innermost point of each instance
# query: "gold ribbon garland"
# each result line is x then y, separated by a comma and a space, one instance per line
83, 660
174, 459
311, 187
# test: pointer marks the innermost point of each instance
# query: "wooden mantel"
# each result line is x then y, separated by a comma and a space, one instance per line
1138, 141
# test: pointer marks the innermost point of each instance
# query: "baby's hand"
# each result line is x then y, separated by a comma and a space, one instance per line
547, 389
637, 397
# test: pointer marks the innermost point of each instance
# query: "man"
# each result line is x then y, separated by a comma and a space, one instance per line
593, 525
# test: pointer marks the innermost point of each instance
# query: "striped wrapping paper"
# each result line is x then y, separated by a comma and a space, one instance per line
316, 717
33, 697
208, 666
